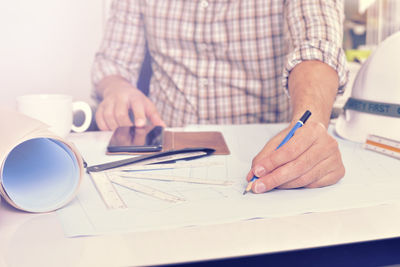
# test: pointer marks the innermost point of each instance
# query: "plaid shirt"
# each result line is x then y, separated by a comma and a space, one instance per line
220, 61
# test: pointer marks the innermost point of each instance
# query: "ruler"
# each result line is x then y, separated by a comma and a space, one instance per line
107, 191
383, 145
166, 166
105, 180
144, 189
173, 178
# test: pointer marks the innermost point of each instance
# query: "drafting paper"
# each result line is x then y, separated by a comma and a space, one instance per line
39, 171
371, 179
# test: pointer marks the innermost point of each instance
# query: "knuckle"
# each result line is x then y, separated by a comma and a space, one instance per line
319, 173
99, 113
301, 181
255, 160
333, 143
335, 178
296, 183
101, 125
272, 182
150, 105
108, 114
133, 99
267, 162
153, 113
313, 185
281, 175
137, 107
300, 167
120, 115
290, 151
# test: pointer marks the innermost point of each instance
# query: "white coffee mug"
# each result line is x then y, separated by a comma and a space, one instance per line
55, 110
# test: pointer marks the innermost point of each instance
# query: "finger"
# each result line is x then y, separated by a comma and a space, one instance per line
329, 179
249, 175
295, 168
139, 114
254, 172
153, 114
270, 146
122, 115
319, 171
296, 146
109, 116
100, 121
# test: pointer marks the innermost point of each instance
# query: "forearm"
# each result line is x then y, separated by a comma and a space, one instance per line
313, 85
316, 35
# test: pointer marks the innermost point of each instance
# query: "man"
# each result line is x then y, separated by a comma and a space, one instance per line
221, 61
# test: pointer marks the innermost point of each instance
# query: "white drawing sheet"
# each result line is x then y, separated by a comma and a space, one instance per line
39, 171
371, 179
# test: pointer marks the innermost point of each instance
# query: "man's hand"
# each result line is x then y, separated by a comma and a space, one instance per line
119, 96
311, 158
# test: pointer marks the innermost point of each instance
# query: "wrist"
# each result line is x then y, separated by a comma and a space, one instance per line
313, 86
318, 114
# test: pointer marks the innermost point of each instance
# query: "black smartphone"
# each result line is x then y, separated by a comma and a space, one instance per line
134, 139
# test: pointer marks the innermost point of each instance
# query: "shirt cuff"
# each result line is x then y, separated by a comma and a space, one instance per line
323, 51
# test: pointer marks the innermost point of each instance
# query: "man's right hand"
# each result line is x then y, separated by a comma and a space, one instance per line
119, 96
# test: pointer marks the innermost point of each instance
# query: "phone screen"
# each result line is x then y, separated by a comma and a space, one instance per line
133, 139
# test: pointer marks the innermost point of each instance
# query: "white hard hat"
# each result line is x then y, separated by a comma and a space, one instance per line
374, 105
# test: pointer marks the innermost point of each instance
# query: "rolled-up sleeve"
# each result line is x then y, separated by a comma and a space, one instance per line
316, 33
123, 46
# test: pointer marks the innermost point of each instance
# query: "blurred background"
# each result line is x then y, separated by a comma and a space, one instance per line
370, 22
48, 46
367, 24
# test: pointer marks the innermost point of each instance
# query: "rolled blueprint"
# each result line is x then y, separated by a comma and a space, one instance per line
39, 170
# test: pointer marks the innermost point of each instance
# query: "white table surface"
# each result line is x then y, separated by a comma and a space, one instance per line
37, 239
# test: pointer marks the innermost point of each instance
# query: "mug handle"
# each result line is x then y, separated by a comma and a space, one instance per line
85, 108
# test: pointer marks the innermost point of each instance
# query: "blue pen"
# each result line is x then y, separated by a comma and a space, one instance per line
298, 124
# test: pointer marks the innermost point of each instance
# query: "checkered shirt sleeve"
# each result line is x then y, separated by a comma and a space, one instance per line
316, 32
123, 46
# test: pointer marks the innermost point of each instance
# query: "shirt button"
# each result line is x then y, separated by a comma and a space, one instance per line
204, 4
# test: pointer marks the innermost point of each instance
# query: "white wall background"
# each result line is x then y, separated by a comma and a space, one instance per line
47, 46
